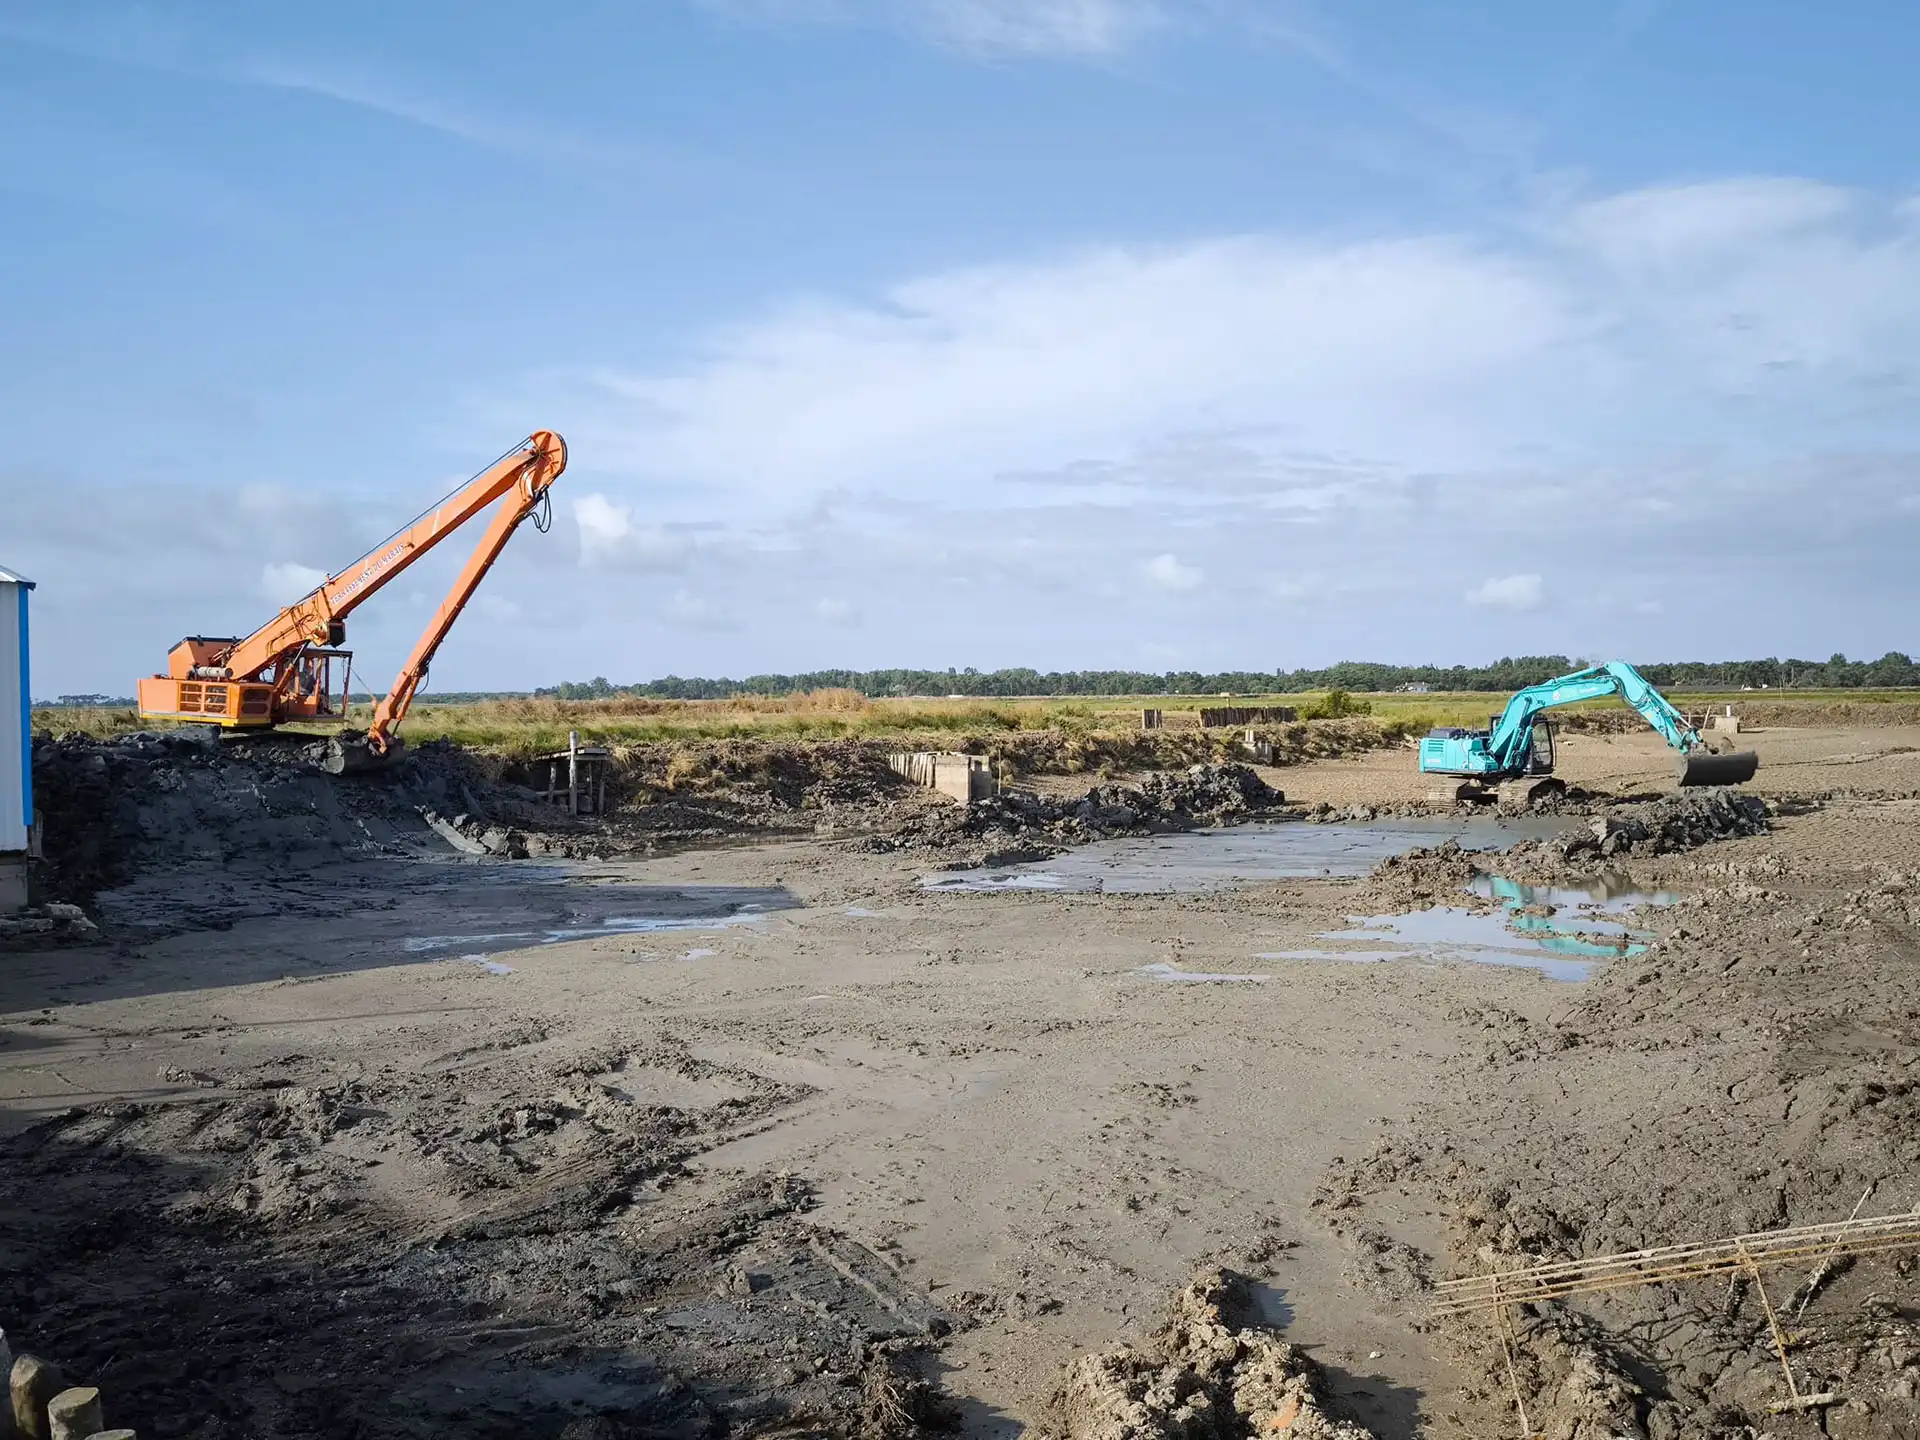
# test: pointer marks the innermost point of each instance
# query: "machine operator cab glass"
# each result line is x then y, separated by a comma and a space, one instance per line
1537, 756
1539, 750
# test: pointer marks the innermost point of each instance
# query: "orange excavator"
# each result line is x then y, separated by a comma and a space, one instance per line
283, 670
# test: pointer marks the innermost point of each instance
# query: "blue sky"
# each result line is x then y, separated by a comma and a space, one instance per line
1149, 333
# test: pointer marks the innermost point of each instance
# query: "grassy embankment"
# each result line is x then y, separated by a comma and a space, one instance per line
521, 727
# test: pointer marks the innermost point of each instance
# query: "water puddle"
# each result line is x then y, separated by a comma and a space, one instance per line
599, 910
1165, 974
1240, 855
1562, 933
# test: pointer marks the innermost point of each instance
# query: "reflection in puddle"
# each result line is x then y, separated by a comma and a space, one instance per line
1166, 974
1560, 932
1241, 854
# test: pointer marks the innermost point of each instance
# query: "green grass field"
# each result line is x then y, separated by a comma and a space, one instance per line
530, 726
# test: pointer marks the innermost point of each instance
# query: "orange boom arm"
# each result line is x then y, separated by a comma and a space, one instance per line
267, 677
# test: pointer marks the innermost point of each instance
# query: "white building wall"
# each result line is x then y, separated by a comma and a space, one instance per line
16, 735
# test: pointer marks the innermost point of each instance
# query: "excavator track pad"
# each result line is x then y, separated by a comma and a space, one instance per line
1702, 767
1521, 793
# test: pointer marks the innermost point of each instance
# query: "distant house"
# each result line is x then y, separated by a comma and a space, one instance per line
16, 741
1417, 688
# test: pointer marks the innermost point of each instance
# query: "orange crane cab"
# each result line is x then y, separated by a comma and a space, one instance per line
284, 670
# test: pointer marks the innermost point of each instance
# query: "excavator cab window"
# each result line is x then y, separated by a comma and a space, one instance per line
1540, 749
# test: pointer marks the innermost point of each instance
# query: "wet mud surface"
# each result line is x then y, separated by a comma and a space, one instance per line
375, 1136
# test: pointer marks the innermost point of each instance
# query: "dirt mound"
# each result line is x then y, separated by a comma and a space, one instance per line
116, 808
1668, 826
764, 776
1206, 1375
1073, 752
152, 803
1030, 826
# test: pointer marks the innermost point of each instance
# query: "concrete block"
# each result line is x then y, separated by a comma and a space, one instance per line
13, 883
965, 778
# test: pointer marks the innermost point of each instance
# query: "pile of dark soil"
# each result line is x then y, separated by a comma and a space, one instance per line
1620, 833
144, 803
1019, 823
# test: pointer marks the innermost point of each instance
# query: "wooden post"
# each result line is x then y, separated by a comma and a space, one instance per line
33, 1383
573, 772
75, 1414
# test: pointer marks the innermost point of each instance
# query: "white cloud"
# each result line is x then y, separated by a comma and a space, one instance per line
987, 28
835, 611
1166, 572
1510, 592
1681, 225
1040, 27
1032, 367
604, 526
283, 583
608, 536
1683, 375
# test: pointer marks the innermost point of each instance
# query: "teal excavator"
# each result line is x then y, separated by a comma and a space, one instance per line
1514, 756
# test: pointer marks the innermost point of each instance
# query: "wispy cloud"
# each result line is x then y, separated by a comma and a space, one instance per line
610, 537
142, 39
1168, 572
1509, 592
1677, 375
987, 28
284, 582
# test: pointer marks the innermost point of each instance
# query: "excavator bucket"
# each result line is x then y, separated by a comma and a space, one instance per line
348, 753
1703, 767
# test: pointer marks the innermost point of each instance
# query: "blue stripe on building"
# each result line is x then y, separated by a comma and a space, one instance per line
26, 714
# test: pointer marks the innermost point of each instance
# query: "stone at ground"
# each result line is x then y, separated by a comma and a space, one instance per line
1208, 1374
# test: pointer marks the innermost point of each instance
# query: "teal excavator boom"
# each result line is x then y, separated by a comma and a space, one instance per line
1519, 743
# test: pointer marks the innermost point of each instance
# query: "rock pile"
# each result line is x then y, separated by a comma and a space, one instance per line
1680, 822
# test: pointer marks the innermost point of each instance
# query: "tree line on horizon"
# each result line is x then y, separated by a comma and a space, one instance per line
1892, 671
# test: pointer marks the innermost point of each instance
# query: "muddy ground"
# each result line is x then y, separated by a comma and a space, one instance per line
376, 1137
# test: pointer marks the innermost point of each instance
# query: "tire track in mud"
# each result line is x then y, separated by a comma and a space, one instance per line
501, 1245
